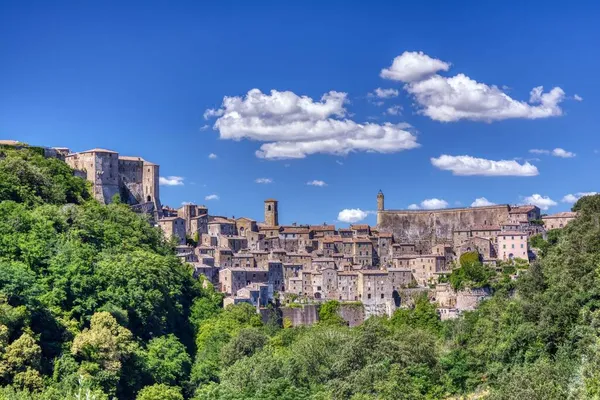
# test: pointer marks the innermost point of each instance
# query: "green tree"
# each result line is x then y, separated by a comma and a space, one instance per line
167, 360
160, 392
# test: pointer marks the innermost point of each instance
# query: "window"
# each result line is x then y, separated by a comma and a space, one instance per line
382, 295
369, 296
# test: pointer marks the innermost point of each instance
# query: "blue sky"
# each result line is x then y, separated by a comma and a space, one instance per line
138, 78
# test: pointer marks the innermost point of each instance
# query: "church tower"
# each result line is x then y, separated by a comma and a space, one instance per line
380, 206
271, 213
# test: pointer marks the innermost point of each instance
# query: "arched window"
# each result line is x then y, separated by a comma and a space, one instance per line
149, 198
269, 207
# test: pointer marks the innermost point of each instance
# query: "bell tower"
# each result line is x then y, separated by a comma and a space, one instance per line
380, 206
271, 213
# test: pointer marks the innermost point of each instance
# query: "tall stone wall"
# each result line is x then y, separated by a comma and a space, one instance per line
429, 225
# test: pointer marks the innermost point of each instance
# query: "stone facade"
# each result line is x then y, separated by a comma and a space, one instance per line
133, 179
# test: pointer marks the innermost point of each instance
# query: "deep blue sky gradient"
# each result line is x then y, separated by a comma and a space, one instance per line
136, 77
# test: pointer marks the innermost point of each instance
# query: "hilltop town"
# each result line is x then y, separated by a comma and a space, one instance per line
261, 262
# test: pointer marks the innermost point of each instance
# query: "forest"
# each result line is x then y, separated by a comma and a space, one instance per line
94, 304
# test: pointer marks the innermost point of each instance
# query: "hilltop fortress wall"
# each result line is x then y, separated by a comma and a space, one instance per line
436, 225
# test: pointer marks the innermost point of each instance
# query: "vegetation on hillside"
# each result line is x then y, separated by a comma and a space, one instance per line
93, 303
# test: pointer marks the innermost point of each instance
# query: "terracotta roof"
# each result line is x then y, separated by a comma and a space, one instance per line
269, 200
294, 229
245, 218
385, 235
169, 219
130, 158
361, 240
344, 230
512, 233
219, 220
322, 227
566, 214
359, 226
372, 272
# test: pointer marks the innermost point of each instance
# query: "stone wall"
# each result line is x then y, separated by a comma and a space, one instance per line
432, 225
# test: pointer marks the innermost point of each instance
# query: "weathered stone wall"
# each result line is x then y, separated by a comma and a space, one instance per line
354, 314
130, 175
298, 316
430, 225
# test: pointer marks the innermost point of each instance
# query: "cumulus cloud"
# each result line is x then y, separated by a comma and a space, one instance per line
481, 202
212, 197
295, 126
429, 204
171, 181
352, 215
449, 99
557, 152
413, 66
468, 166
264, 180
577, 97
384, 93
316, 183
394, 110
213, 156
572, 198
543, 202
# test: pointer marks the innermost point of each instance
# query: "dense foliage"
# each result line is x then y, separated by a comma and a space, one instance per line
94, 304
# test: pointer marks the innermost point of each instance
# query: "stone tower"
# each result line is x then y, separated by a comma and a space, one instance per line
271, 213
380, 205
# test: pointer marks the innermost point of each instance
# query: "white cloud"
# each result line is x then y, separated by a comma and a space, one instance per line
558, 152
577, 97
204, 127
264, 180
481, 202
211, 112
171, 181
297, 126
433, 204
413, 66
539, 151
394, 110
213, 156
429, 204
572, 198
449, 99
468, 166
212, 197
352, 215
384, 93
316, 183
338, 162
543, 202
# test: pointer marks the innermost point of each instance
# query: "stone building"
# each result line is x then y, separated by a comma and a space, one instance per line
513, 244
430, 225
173, 227
271, 212
559, 220
133, 179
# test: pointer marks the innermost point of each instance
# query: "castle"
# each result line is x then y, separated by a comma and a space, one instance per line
133, 179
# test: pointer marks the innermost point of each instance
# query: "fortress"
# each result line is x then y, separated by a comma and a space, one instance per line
435, 226
134, 179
